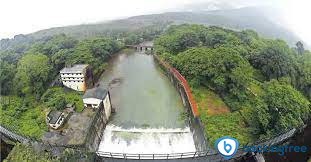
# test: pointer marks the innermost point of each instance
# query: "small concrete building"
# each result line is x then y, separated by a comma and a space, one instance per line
55, 119
75, 77
96, 97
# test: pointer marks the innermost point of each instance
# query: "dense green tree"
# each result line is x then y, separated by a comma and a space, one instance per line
286, 106
223, 68
53, 44
94, 52
194, 63
179, 38
131, 39
32, 74
304, 74
299, 47
59, 58
275, 60
54, 98
216, 37
7, 72
88, 51
10, 56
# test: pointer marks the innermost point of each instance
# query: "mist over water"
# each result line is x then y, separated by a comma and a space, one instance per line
149, 114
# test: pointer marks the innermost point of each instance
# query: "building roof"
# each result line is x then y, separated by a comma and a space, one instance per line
97, 92
54, 115
77, 68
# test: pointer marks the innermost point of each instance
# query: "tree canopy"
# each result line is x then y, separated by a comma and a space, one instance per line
222, 68
7, 72
275, 60
26, 76
287, 108
264, 82
32, 74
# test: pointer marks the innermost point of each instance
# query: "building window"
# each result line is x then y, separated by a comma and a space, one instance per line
61, 119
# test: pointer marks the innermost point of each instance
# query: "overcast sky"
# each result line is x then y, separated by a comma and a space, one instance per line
26, 16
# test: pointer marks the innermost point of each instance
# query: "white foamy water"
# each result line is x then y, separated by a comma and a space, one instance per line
146, 141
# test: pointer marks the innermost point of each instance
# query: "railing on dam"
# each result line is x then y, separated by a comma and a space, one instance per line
184, 84
181, 85
152, 156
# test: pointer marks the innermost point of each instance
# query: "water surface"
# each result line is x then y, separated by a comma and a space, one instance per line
142, 94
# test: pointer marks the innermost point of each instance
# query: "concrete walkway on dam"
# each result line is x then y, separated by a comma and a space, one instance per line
150, 117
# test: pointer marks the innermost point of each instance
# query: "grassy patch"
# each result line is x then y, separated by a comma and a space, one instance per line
217, 119
230, 124
209, 102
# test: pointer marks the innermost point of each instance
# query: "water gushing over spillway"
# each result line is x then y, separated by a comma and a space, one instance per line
146, 141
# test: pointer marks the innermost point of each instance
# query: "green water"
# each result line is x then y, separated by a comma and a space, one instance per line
141, 94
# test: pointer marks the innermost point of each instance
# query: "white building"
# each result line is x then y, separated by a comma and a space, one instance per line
75, 77
96, 97
55, 119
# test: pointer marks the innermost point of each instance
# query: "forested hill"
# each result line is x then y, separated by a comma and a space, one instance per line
244, 18
249, 86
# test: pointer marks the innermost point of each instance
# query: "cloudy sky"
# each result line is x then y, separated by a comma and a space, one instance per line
22, 17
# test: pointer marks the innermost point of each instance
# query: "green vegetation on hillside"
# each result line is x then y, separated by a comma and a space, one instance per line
57, 98
24, 153
27, 153
23, 116
265, 83
26, 77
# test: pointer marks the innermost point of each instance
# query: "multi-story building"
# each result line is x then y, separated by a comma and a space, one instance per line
75, 77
